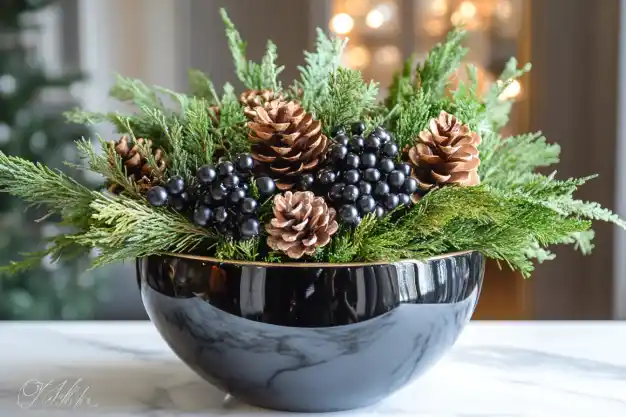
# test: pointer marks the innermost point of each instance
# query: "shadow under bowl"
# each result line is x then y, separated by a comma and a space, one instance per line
310, 337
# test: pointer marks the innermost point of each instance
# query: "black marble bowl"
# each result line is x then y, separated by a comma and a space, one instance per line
310, 337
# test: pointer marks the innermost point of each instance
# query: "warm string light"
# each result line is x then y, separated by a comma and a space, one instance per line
342, 23
511, 91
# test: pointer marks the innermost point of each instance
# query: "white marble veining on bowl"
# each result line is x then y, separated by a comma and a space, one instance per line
495, 370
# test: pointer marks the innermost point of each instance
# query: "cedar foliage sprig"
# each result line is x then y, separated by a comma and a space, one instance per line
513, 216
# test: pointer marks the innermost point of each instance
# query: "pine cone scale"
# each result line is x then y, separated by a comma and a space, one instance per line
445, 154
286, 140
313, 223
138, 169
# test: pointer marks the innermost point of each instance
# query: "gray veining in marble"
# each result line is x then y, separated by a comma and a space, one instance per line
494, 370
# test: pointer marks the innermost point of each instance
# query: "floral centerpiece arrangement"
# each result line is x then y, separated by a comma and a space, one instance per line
321, 171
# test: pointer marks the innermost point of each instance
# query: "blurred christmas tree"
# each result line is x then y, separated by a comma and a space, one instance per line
34, 128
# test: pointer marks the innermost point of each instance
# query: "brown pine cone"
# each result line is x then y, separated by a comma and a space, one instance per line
252, 98
446, 153
285, 140
302, 223
138, 168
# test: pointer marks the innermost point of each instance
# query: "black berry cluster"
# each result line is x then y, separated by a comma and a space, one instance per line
222, 198
362, 176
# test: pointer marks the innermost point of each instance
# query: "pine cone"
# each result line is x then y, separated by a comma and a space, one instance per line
445, 153
285, 140
138, 169
302, 222
252, 98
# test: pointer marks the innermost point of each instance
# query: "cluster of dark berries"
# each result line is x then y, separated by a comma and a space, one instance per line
362, 177
222, 198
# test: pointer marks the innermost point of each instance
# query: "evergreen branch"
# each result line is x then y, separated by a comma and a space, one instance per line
497, 109
349, 99
100, 163
201, 86
313, 83
503, 161
43, 186
254, 76
135, 91
269, 71
199, 141
244, 250
232, 129
414, 117
443, 59
124, 228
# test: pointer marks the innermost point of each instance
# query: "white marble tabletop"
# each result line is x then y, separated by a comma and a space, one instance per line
498, 369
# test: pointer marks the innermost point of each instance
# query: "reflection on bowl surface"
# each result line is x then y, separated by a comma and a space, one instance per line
310, 338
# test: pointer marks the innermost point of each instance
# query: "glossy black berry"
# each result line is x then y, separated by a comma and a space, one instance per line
244, 162
381, 190
396, 179
350, 193
368, 160
179, 202
266, 186
337, 130
386, 166
231, 181
364, 187
218, 192
202, 215
206, 199
351, 176
236, 196
357, 128
249, 228
221, 215
382, 134
391, 201
390, 149
379, 211
366, 204
405, 200
244, 186
371, 175
326, 177
409, 186
157, 196
348, 214
248, 205
338, 153
175, 185
336, 191
352, 161
372, 143
225, 168
342, 139
356, 144
404, 168
306, 182
206, 174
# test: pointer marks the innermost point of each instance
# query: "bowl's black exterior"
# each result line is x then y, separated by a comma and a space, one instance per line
310, 338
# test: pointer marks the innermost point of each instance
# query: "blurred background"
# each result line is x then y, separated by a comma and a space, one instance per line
55, 55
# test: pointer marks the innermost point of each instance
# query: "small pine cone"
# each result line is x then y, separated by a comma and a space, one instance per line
138, 168
252, 98
214, 115
302, 223
446, 153
286, 141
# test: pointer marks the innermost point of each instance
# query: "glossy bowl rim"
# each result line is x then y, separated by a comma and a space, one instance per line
261, 264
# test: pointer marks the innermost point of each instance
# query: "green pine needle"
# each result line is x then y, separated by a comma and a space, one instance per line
254, 76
